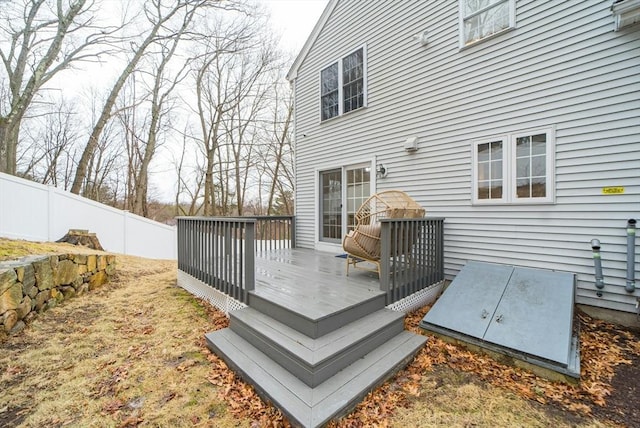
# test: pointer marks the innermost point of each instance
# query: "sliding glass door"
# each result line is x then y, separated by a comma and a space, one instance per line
331, 205
342, 191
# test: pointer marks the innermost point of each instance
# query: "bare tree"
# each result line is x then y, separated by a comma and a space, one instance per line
190, 183
104, 182
229, 82
280, 152
159, 14
164, 83
250, 85
212, 102
48, 157
128, 120
38, 39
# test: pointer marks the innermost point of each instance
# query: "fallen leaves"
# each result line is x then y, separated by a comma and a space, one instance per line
242, 399
13, 370
112, 406
112, 384
603, 348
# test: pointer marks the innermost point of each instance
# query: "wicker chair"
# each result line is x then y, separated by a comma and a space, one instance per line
363, 243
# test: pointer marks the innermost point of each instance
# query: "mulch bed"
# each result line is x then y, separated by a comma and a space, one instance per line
607, 391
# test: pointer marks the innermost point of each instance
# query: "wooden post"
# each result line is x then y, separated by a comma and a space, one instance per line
292, 236
249, 260
385, 255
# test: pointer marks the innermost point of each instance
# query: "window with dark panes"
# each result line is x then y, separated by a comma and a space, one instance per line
353, 81
343, 85
329, 89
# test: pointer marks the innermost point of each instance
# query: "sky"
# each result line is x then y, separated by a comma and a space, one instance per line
294, 19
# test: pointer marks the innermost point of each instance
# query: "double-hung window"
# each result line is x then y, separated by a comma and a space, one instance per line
343, 85
515, 168
480, 19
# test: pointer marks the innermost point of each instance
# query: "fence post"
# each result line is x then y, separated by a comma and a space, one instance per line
249, 259
440, 244
179, 242
385, 255
292, 232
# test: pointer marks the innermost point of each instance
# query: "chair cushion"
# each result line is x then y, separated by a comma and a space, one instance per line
363, 242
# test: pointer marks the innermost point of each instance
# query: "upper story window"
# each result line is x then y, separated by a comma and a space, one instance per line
516, 168
343, 85
480, 19
329, 91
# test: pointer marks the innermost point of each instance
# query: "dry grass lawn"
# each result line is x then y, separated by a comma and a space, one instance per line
133, 353
451, 398
129, 353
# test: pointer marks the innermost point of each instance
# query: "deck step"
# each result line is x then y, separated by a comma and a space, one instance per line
315, 360
314, 406
314, 326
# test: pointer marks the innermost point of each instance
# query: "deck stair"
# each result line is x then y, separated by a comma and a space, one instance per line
315, 355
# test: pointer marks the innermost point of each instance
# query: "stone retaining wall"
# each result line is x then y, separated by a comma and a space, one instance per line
36, 283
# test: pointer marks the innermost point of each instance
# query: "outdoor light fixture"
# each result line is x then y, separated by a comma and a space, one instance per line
381, 171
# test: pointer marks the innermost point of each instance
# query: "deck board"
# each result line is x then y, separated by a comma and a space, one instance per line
311, 283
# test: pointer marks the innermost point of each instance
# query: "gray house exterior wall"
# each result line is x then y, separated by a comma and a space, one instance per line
563, 68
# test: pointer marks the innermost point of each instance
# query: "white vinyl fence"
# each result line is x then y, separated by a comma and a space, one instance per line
37, 212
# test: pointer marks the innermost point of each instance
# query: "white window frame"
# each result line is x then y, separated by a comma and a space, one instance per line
509, 189
463, 19
341, 84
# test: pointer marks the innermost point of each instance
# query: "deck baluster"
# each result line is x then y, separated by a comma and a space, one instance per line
411, 256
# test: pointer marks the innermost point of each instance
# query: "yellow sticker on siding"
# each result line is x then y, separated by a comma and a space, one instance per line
612, 190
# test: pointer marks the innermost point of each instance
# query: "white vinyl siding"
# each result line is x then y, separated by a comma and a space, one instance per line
563, 66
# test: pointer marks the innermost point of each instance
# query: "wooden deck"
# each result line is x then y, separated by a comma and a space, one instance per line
311, 283
312, 340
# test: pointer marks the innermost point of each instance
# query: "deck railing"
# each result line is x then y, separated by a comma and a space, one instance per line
275, 232
220, 251
411, 255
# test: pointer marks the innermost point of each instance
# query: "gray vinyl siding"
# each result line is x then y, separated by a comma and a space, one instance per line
562, 67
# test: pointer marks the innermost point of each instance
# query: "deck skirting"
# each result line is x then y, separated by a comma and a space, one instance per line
200, 289
418, 299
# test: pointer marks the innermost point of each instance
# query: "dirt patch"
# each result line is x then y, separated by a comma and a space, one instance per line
623, 405
11, 416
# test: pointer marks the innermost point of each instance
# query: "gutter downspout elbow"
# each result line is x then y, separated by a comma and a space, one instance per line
631, 256
597, 262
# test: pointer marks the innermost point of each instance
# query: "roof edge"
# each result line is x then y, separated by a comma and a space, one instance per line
293, 71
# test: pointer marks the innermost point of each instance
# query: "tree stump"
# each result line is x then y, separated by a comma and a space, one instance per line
82, 238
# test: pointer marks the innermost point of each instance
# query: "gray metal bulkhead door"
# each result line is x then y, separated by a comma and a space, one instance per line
535, 314
468, 304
